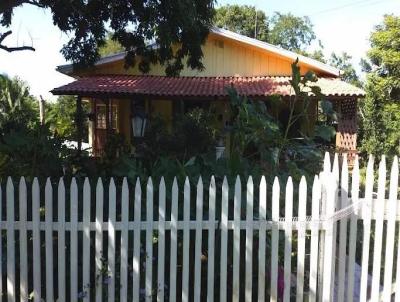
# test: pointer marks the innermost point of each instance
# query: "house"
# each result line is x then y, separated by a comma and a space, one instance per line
120, 98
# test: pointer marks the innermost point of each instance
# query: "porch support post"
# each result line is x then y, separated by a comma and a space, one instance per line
346, 137
79, 123
107, 103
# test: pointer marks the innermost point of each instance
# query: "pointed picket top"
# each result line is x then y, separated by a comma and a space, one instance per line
200, 183
302, 195
162, 185
138, 186
149, 184
225, 182
250, 182
35, 187
112, 183
99, 188
394, 179
263, 199
187, 186
249, 198
335, 167
10, 182
327, 162
382, 170
175, 185
345, 171
289, 188
275, 195
355, 180
124, 182
22, 182
86, 183
369, 183
212, 182
48, 183
74, 184
61, 187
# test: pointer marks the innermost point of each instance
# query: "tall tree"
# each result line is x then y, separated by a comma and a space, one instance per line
135, 23
348, 72
243, 19
291, 32
110, 46
381, 108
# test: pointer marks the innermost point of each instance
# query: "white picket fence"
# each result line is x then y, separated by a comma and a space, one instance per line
210, 245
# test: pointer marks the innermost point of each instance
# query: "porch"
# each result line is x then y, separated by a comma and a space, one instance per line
125, 104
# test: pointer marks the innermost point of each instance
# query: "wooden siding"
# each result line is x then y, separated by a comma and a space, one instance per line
222, 57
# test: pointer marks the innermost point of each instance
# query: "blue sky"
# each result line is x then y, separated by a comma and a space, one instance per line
341, 25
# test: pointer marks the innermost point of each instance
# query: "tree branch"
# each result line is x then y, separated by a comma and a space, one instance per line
15, 48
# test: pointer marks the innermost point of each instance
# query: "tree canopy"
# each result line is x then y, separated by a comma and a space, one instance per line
243, 19
291, 32
136, 25
348, 73
381, 108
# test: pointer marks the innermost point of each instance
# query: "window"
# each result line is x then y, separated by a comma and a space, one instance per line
101, 116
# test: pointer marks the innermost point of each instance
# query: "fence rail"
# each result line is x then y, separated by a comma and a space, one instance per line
116, 243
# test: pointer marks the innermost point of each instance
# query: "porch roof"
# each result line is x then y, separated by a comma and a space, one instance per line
197, 87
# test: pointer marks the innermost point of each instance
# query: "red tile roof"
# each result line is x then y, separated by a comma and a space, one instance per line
128, 85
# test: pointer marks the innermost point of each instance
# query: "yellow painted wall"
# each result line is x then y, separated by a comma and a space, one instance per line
222, 57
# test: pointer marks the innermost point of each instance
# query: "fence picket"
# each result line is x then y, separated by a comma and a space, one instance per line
236, 239
262, 238
326, 168
36, 240
74, 240
161, 242
355, 183
136, 242
211, 241
336, 177
10, 242
99, 240
86, 241
199, 238
124, 240
275, 240
380, 211
301, 245
330, 188
111, 240
49, 240
316, 198
224, 241
23, 247
174, 241
367, 228
149, 240
288, 239
391, 227
321, 281
344, 198
61, 241
249, 240
186, 241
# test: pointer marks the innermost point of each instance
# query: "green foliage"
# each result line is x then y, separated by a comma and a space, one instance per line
30, 152
61, 117
291, 32
16, 103
181, 24
380, 111
348, 73
110, 46
242, 19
